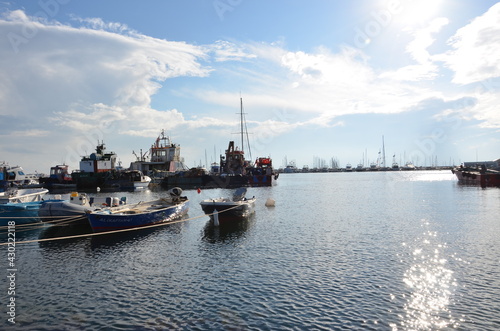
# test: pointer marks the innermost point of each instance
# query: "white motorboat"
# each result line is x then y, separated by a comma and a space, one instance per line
227, 209
15, 195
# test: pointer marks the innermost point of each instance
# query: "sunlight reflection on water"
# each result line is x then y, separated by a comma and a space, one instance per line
428, 176
431, 284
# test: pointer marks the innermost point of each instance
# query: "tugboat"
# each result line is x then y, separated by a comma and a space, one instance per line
233, 170
164, 159
59, 178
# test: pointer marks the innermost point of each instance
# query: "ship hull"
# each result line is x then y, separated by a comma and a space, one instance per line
481, 178
217, 181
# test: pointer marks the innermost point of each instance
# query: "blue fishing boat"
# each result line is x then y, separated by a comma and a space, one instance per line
141, 214
20, 212
20, 205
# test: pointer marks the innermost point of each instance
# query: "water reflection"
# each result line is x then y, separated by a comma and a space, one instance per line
431, 284
78, 233
228, 230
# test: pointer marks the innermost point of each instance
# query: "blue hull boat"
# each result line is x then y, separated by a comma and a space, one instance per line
140, 214
20, 212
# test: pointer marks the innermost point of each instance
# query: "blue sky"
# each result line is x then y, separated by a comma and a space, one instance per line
319, 79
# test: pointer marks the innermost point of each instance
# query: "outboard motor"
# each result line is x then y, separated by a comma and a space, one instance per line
239, 194
175, 193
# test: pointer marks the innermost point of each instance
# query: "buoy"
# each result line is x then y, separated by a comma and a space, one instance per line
270, 202
216, 217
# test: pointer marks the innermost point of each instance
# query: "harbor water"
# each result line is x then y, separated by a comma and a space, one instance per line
406, 250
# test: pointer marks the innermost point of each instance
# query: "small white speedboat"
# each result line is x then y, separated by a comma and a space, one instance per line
225, 208
15, 195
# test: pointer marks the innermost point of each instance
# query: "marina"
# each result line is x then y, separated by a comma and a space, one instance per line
250, 165
413, 256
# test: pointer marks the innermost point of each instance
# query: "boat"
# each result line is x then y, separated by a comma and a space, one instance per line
234, 170
59, 178
20, 204
20, 195
485, 173
164, 159
348, 167
373, 166
241, 172
290, 167
20, 212
94, 168
225, 208
140, 214
101, 170
409, 166
360, 167
15, 176
125, 180
76, 207
395, 165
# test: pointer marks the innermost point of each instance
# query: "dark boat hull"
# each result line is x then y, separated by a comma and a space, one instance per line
217, 181
475, 177
228, 210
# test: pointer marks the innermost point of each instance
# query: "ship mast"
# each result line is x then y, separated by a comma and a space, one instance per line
241, 123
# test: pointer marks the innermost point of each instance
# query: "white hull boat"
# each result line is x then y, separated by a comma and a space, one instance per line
225, 209
22, 195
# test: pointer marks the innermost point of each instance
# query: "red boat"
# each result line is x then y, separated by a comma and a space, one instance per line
483, 174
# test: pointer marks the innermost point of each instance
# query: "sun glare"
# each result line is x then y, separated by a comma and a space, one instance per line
412, 13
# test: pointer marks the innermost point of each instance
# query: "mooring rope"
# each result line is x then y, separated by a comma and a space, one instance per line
93, 234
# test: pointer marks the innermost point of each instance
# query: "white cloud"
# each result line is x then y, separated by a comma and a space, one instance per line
486, 110
227, 51
425, 68
475, 49
101, 77
60, 65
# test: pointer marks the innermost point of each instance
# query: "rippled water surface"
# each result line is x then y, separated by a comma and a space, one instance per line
377, 251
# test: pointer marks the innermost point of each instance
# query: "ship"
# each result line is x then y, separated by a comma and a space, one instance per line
59, 178
101, 170
163, 159
234, 169
486, 173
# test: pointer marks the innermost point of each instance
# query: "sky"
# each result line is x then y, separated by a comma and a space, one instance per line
319, 80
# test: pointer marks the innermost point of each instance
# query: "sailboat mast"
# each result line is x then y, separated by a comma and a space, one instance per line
241, 123
383, 151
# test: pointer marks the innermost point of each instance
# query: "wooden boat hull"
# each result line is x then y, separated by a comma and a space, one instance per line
103, 221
